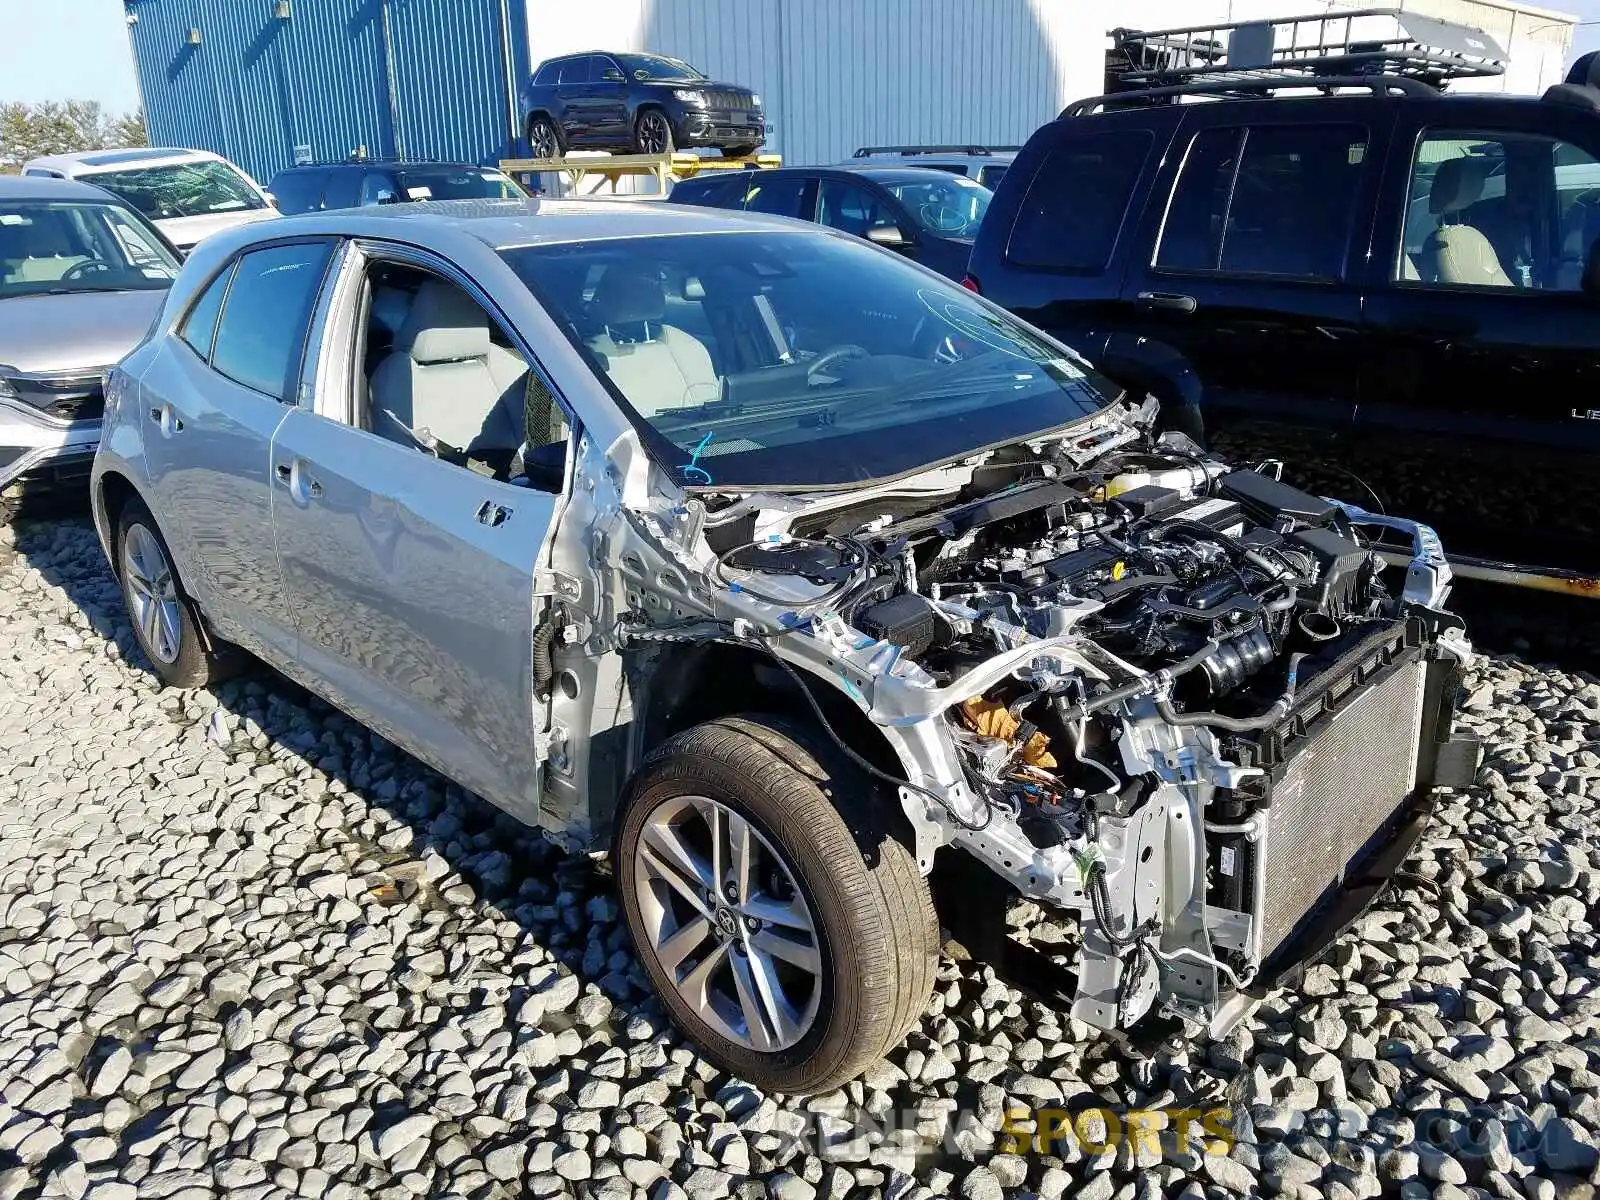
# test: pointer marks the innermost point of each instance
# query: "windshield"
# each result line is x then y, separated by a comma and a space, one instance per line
457, 183
949, 205
190, 189
53, 247
657, 66
795, 359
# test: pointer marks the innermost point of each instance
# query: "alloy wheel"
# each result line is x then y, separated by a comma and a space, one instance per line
542, 140
654, 133
727, 923
152, 593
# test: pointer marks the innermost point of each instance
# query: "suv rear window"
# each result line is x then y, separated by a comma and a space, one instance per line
1070, 218
1265, 200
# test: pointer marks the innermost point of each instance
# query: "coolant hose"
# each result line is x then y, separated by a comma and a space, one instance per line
1139, 686
1275, 713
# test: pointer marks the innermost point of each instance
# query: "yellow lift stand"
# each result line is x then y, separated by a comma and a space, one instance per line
588, 176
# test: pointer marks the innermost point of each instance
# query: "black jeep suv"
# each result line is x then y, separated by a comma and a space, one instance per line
643, 103
1401, 284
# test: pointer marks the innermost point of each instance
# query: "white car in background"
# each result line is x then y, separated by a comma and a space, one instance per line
189, 194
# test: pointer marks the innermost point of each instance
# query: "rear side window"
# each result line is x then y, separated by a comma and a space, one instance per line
713, 193
200, 326
264, 323
298, 191
782, 196
1070, 218
1265, 201
344, 189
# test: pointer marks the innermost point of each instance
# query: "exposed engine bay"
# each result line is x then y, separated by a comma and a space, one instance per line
1185, 700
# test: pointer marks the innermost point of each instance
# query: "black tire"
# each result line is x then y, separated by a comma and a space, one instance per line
542, 130
877, 933
741, 151
652, 132
200, 660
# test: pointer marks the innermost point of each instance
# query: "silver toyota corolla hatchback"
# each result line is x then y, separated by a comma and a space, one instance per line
788, 570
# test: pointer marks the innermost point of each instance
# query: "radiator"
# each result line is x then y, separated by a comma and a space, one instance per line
1338, 793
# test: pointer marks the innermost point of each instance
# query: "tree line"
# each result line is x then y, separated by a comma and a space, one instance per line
63, 127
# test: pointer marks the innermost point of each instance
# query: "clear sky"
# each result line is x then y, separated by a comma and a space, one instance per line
78, 49
68, 50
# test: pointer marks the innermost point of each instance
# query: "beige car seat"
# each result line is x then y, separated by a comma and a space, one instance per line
655, 365
1459, 253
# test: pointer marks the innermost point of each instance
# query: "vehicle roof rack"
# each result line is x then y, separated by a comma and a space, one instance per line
1261, 85
1325, 51
869, 151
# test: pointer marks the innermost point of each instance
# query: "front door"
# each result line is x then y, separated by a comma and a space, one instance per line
411, 575
235, 364
1484, 421
1250, 280
608, 89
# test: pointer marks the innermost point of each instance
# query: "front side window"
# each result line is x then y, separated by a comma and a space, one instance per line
1265, 201
1074, 208
1499, 210
652, 67
950, 207
59, 247
379, 187
796, 359
780, 195
263, 324
190, 189
852, 208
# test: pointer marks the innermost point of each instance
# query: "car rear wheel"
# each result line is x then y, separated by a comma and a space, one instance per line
652, 132
544, 138
164, 618
795, 948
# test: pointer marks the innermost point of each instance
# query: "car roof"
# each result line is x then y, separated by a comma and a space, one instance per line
43, 187
505, 224
390, 164
110, 160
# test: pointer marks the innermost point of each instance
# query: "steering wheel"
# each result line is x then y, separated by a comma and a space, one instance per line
832, 355
942, 218
89, 266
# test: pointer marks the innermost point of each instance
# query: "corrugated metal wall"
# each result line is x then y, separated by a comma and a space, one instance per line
425, 78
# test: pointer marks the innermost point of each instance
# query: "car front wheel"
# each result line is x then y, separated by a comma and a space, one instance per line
795, 948
652, 132
164, 618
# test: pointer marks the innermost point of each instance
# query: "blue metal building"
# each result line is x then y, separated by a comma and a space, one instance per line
271, 82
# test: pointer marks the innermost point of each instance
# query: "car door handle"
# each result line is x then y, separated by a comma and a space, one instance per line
293, 476
493, 515
1167, 301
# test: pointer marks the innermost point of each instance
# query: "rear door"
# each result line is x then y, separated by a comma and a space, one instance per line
226, 382
578, 101
1484, 421
783, 194
1251, 263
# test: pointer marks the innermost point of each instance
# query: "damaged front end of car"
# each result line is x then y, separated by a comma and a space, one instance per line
1183, 701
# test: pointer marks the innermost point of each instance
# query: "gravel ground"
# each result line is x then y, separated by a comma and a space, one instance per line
249, 949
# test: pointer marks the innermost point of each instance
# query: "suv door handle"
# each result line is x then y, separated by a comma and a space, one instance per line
1170, 301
